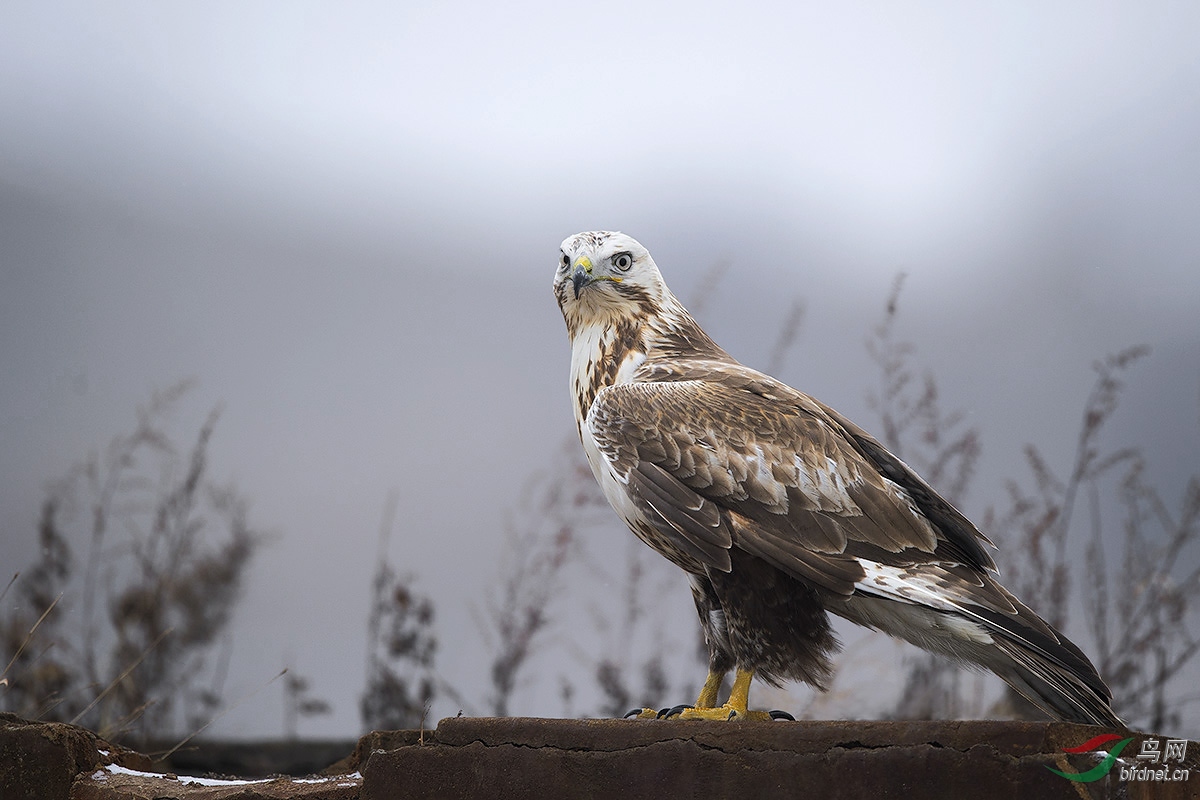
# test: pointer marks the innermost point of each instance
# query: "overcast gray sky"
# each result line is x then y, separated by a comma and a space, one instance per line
342, 221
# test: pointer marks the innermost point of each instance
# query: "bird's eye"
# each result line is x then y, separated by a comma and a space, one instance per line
623, 261
566, 260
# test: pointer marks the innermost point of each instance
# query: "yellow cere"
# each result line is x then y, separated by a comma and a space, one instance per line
586, 263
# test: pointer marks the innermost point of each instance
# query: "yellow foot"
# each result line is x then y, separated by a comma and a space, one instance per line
706, 707
642, 713
650, 713
725, 712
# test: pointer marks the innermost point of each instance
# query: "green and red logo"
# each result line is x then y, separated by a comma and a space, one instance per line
1100, 770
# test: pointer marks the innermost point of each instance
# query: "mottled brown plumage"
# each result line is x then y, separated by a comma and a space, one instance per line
778, 508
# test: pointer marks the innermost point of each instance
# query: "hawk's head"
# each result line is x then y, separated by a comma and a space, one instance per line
604, 277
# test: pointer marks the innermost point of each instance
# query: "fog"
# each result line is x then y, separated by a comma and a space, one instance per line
342, 220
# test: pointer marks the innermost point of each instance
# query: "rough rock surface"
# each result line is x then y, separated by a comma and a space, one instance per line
257, 759
630, 759
41, 759
120, 784
625, 759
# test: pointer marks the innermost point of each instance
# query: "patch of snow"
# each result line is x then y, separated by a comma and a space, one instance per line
184, 779
220, 782
346, 781
354, 776
117, 769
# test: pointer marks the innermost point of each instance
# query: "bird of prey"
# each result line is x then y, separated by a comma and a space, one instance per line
780, 509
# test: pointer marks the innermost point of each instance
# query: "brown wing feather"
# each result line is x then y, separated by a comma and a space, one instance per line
765, 468
962, 540
692, 523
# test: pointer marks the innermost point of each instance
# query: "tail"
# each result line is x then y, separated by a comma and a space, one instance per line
980, 623
1047, 669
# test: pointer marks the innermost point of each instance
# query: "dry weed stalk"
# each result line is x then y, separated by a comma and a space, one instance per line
933, 441
1039, 560
539, 541
169, 585
636, 589
401, 645
914, 425
299, 702
1140, 608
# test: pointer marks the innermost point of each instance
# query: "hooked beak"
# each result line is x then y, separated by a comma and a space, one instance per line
582, 275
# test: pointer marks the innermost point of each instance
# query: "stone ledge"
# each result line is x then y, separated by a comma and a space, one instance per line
632, 759
625, 759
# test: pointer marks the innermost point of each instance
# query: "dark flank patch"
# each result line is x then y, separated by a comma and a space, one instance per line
777, 624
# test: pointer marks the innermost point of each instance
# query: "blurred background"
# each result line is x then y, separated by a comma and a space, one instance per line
338, 223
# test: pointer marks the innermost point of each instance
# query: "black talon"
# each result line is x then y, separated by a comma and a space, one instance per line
632, 713
673, 711
732, 714
777, 714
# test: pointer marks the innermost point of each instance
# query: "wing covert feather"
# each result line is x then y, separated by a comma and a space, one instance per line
774, 475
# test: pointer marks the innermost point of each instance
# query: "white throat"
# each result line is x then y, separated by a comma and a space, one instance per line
595, 365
